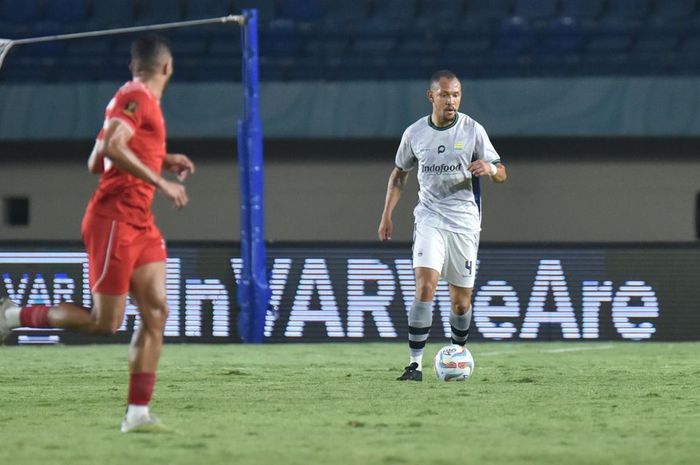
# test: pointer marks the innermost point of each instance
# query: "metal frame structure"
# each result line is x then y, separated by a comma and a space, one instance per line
253, 287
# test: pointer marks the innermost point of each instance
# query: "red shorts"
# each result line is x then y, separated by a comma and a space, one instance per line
115, 249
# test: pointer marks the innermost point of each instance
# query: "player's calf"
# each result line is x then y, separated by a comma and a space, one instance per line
5, 327
459, 326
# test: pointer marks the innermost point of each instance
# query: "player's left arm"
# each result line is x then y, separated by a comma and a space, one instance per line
496, 171
179, 164
487, 162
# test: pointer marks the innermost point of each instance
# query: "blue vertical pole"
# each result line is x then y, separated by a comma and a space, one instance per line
253, 288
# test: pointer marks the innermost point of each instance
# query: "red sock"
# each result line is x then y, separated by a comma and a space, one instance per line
36, 316
141, 388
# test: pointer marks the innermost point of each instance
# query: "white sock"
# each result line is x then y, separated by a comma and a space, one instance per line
12, 317
136, 411
417, 359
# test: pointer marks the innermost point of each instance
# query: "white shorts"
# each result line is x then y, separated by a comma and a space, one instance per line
452, 254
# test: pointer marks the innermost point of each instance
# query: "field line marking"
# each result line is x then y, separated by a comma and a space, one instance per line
501, 352
575, 349
546, 351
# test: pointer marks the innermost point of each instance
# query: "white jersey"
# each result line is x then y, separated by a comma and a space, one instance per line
449, 198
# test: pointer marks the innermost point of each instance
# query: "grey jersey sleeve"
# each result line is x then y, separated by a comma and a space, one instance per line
484, 149
405, 158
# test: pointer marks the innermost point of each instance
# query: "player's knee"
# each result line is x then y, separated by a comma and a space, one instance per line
105, 327
461, 307
425, 291
154, 317
462, 303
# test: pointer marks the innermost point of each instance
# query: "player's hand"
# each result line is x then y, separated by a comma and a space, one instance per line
479, 168
174, 192
179, 164
385, 229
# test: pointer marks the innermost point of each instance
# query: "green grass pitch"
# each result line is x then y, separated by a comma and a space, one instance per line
527, 403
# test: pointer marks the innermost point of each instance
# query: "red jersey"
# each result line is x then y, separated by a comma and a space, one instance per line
120, 195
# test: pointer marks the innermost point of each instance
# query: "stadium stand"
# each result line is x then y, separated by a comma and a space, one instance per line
371, 39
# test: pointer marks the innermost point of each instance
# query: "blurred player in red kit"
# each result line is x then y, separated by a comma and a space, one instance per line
126, 251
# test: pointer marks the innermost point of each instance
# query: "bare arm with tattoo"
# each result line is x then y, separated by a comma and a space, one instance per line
397, 182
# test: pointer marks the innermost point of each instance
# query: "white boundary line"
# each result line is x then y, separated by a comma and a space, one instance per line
546, 351
575, 349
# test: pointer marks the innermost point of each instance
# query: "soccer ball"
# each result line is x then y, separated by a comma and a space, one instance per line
453, 363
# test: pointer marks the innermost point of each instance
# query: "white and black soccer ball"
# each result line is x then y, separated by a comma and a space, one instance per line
453, 363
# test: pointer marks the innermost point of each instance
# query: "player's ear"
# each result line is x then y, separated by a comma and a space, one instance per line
429, 94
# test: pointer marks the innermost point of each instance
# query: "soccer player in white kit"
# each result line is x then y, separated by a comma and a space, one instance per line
451, 152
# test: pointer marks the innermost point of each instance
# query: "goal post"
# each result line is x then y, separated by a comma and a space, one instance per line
253, 286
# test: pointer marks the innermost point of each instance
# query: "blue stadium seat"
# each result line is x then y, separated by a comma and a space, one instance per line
583, 10
344, 16
78, 69
390, 17
115, 70
605, 64
67, 11
490, 10
514, 36
563, 35
21, 11
266, 9
484, 17
377, 46
690, 44
14, 30
281, 38
441, 15
396, 10
609, 43
327, 47
417, 46
467, 46
307, 69
219, 69
656, 41
188, 46
674, 9
121, 50
628, 10
402, 67
159, 11
47, 49
302, 11
536, 10
198, 9
225, 46
25, 69
112, 13
89, 48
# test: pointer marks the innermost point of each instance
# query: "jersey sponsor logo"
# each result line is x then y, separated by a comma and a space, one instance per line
441, 168
130, 107
441, 149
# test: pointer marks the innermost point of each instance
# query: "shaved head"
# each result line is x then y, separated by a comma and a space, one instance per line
439, 75
149, 53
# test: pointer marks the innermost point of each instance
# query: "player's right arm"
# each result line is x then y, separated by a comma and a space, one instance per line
397, 182
116, 147
404, 162
97, 156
